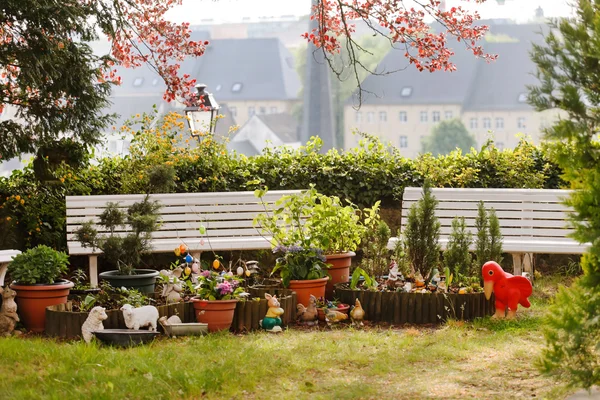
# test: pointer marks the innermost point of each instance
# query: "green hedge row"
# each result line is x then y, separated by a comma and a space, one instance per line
32, 211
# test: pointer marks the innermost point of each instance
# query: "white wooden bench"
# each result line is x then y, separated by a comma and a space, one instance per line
227, 216
6, 257
531, 220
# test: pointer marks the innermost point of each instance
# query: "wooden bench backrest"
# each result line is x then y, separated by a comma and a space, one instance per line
538, 213
225, 215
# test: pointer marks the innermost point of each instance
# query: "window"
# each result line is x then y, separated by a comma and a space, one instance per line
233, 111
403, 117
473, 123
251, 111
487, 123
406, 91
382, 116
448, 115
499, 123
370, 117
522, 98
423, 116
500, 145
273, 110
218, 88
435, 116
403, 142
358, 117
154, 82
236, 87
521, 122
138, 82
262, 110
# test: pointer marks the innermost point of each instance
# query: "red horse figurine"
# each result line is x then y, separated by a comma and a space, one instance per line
510, 290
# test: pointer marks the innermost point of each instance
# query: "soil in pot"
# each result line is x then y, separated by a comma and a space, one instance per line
339, 270
144, 280
218, 314
32, 301
305, 288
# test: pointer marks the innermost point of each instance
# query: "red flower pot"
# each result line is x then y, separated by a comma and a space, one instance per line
339, 270
32, 301
218, 314
305, 288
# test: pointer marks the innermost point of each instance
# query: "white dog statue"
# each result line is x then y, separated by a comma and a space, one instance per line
93, 323
136, 318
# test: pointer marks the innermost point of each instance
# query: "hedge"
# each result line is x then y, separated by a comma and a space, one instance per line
32, 208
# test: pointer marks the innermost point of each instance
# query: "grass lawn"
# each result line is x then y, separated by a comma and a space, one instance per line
482, 360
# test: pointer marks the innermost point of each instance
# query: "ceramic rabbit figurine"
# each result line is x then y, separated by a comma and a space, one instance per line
272, 321
8, 312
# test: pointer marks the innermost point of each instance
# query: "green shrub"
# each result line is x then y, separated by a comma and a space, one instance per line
457, 257
39, 265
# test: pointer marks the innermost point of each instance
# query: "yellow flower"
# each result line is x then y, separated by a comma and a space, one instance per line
22, 201
18, 197
37, 229
62, 180
8, 218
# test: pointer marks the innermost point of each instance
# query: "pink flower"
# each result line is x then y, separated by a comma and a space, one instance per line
224, 288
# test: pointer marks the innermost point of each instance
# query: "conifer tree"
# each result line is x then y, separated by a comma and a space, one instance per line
567, 68
495, 237
482, 241
422, 234
457, 257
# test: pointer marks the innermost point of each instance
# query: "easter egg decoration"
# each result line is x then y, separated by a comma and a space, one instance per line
240, 271
182, 248
189, 259
202, 229
177, 251
196, 268
216, 264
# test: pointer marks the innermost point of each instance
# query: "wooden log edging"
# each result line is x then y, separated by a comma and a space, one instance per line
416, 308
62, 322
249, 312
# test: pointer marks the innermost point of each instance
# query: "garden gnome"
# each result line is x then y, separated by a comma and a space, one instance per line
272, 321
393, 276
8, 312
173, 287
510, 291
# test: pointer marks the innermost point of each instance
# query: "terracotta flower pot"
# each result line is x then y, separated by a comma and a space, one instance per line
218, 314
339, 270
305, 288
343, 308
32, 301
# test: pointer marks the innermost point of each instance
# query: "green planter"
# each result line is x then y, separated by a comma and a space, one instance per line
143, 280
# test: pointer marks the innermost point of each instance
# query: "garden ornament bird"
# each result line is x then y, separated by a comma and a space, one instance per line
357, 314
510, 290
332, 316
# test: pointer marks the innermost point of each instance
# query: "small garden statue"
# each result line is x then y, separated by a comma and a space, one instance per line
357, 314
308, 315
93, 323
8, 312
272, 321
172, 286
136, 318
510, 291
394, 276
333, 316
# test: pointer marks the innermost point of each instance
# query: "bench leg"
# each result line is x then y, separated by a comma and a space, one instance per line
523, 262
196, 254
3, 268
93, 261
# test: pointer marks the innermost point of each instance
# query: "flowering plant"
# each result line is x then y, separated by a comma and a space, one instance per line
299, 263
214, 286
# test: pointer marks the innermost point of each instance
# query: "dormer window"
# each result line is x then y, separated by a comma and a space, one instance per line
406, 91
138, 82
217, 88
236, 87
154, 82
522, 98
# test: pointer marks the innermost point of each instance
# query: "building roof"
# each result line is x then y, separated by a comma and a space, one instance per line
261, 131
476, 84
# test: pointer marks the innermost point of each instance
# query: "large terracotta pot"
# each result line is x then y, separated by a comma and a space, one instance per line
339, 270
305, 288
218, 314
32, 301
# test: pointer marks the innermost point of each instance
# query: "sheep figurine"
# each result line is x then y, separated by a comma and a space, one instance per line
136, 318
93, 323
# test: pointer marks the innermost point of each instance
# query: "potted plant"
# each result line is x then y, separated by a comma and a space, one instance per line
216, 298
335, 305
36, 273
303, 270
313, 220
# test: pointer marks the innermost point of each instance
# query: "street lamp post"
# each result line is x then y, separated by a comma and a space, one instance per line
203, 117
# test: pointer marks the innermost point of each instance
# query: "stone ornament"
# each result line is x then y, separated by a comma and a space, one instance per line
8, 312
307, 315
509, 290
173, 287
141, 317
272, 321
93, 323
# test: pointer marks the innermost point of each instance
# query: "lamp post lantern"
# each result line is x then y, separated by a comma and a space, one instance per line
203, 117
